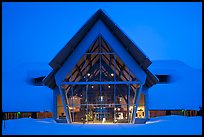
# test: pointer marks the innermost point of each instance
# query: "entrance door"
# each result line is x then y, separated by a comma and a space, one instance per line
99, 114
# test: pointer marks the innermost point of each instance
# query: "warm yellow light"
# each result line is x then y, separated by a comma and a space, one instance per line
112, 74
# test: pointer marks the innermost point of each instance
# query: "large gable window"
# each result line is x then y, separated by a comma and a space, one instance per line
101, 87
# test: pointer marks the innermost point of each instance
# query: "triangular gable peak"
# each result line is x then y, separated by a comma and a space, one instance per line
100, 25
134, 51
99, 29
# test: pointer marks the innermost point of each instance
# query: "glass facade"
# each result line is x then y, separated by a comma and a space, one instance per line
100, 89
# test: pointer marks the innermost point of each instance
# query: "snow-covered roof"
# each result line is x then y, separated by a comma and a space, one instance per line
183, 91
168, 64
19, 93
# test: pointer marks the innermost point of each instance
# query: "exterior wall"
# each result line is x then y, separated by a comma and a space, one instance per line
60, 108
39, 115
44, 115
10, 116
156, 113
146, 101
55, 94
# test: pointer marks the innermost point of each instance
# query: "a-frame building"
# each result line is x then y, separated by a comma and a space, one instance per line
100, 76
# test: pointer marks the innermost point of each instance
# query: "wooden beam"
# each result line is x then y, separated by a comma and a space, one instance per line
94, 46
120, 66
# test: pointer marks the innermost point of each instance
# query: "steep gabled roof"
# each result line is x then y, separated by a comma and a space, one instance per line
132, 49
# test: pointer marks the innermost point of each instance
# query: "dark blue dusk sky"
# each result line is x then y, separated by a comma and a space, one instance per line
36, 32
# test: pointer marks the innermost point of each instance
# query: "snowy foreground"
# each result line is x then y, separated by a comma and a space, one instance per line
168, 125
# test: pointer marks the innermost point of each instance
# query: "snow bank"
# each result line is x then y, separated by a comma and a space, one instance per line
165, 125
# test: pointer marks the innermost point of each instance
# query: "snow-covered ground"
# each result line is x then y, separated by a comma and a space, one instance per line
168, 125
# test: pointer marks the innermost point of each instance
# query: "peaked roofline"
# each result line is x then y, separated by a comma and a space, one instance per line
141, 59
134, 51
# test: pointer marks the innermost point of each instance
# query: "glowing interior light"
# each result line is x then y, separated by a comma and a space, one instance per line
92, 86
112, 74
88, 74
109, 86
101, 97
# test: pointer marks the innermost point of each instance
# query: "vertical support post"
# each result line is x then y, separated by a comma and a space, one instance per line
4, 119
72, 103
128, 98
63, 102
100, 79
114, 111
54, 109
87, 86
136, 103
146, 99
134, 100
72, 100
128, 107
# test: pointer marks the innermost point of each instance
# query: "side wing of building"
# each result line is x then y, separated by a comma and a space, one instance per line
21, 94
182, 89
